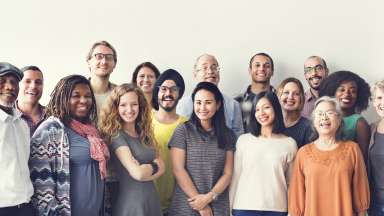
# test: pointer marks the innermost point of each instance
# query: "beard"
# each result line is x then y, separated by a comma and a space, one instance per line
168, 108
314, 86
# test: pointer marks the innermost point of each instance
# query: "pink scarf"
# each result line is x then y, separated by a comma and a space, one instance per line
98, 148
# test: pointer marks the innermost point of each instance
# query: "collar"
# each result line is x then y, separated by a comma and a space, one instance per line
41, 109
4, 116
248, 93
309, 96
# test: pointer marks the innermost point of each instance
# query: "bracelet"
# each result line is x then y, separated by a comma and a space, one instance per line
155, 167
214, 195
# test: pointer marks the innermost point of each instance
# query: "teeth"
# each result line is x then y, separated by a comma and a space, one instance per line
345, 100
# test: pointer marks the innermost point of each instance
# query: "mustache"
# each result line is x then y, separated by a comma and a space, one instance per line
9, 92
315, 77
167, 97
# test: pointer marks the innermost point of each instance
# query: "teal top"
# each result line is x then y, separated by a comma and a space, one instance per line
350, 123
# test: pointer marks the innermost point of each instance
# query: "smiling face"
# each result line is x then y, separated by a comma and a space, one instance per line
31, 87
80, 102
9, 88
314, 72
146, 79
290, 98
207, 70
326, 119
205, 105
378, 101
129, 108
261, 69
101, 63
168, 95
346, 94
264, 114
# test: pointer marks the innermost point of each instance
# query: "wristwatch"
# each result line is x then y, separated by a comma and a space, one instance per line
214, 195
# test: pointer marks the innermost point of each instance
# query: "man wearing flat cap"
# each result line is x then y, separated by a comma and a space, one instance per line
169, 88
15, 185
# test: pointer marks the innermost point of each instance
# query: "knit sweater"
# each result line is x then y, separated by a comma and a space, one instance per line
49, 166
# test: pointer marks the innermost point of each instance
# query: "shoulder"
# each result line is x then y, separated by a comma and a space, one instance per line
230, 101
50, 124
185, 100
245, 138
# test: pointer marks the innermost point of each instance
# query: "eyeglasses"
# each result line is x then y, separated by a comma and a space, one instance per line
101, 56
329, 113
317, 68
213, 68
172, 89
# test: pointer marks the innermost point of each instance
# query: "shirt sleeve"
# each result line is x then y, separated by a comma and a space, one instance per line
290, 161
237, 124
360, 190
237, 169
296, 193
185, 107
44, 171
117, 142
178, 139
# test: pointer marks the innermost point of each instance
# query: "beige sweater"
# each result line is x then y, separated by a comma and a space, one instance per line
261, 173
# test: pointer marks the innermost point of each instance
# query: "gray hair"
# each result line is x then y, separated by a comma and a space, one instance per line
340, 131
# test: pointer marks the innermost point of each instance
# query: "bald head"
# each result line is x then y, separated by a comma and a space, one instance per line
207, 69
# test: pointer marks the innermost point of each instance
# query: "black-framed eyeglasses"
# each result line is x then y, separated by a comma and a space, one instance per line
101, 56
316, 68
164, 89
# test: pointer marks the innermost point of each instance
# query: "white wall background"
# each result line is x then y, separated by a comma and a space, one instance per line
56, 36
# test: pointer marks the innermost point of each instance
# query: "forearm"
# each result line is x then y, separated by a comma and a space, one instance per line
160, 171
185, 182
222, 183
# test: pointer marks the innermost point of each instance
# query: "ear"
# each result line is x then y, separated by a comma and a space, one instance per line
218, 106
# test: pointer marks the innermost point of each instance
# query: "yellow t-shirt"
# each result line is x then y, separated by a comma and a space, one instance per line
163, 133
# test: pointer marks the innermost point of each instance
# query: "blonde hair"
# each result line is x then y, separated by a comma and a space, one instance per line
376, 86
110, 122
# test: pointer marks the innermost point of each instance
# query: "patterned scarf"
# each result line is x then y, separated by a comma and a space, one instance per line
98, 148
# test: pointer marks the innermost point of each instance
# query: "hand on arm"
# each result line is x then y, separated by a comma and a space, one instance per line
160, 171
199, 201
182, 177
139, 172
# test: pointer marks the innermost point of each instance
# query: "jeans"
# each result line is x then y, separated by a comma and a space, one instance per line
24, 209
257, 213
376, 210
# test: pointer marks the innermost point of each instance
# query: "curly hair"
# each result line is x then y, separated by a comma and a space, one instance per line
58, 105
110, 122
330, 84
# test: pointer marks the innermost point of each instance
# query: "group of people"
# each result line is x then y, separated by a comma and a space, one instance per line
145, 149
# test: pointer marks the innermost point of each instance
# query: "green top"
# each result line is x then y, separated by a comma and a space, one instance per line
350, 123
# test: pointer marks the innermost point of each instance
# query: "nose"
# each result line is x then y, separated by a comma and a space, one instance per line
83, 99
10, 86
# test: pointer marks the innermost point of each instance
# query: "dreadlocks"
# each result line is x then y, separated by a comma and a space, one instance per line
58, 105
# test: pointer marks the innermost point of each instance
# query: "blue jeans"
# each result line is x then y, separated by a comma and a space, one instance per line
257, 213
376, 210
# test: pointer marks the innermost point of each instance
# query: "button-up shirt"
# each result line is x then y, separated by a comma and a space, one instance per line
309, 104
15, 185
28, 119
247, 101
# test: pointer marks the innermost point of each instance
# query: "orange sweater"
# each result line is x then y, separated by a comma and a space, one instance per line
328, 183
